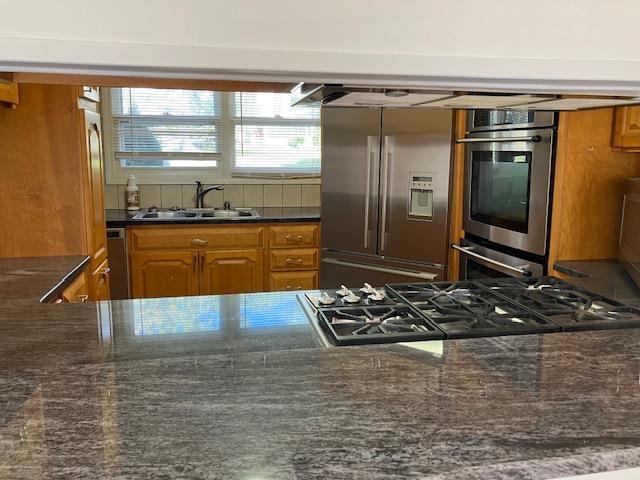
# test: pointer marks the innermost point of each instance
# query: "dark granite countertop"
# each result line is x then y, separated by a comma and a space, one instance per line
604, 277
237, 386
122, 218
38, 278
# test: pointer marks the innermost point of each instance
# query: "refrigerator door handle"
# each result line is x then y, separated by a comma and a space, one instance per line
394, 271
386, 160
371, 156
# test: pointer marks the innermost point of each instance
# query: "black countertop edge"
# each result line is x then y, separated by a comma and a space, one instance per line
65, 281
119, 218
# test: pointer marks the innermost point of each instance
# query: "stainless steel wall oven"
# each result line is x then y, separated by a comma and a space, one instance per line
508, 182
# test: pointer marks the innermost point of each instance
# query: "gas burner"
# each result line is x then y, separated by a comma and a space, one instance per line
351, 326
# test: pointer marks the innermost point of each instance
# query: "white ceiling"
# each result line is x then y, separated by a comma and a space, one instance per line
504, 45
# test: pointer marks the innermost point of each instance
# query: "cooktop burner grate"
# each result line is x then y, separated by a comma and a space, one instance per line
381, 324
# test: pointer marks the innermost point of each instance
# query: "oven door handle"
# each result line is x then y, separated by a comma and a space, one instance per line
430, 277
533, 138
471, 253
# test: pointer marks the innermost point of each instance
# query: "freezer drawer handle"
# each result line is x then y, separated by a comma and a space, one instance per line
405, 273
534, 138
471, 253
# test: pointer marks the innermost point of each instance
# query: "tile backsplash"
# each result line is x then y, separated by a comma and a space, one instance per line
250, 195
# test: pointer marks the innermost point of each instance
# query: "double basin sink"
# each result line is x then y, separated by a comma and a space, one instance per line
198, 214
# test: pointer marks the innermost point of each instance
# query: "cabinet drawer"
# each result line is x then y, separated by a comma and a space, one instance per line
307, 280
294, 259
78, 291
194, 238
294, 236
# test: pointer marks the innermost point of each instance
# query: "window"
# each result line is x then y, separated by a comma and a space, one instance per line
166, 128
271, 136
155, 132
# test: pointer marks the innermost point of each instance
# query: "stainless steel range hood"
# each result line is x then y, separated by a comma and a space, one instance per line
362, 96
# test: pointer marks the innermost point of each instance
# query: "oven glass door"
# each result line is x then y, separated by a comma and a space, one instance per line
500, 188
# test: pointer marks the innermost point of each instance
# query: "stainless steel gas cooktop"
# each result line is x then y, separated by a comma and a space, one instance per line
425, 311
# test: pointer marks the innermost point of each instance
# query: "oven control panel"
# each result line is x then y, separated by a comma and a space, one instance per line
421, 188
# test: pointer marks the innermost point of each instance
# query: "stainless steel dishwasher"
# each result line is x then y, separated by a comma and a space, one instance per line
119, 263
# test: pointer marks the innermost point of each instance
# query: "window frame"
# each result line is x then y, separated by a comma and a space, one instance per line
225, 172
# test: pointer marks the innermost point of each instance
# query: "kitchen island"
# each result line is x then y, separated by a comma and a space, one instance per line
237, 386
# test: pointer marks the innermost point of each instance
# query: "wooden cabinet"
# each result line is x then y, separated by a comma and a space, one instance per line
96, 222
167, 261
9, 94
293, 256
99, 282
185, 260
287, 235
52, 167
626, 128
78, 291
304, 280
231, 271
164, 274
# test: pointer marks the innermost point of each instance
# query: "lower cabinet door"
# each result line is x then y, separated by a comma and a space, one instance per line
164, 274
307, 280
99, 283
232, 271
78, 291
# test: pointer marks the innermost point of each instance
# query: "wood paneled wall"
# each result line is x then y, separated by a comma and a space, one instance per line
456, 196
41, 189
589, 179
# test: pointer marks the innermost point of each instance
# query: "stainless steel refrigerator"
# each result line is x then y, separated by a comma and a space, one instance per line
385, 190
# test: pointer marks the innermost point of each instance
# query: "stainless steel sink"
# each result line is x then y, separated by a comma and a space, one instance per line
162, 215
196, 214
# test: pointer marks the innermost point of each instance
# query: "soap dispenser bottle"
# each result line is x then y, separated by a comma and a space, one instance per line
133, 194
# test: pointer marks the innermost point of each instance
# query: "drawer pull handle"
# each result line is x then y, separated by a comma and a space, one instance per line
293, 287
294, 238
82, 298
294, 261
200, 242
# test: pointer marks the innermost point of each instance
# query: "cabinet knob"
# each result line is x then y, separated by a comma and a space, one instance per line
105, 271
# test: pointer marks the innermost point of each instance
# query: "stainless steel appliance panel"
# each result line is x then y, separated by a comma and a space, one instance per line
353, 270
486, 120
416, 158
629, 245
507, 187
350, 175
478, 262
118, 262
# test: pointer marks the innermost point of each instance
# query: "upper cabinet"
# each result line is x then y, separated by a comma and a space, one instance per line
9, 93
626, 128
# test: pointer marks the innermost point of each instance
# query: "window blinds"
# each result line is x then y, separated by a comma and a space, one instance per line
164, 128
254, 133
